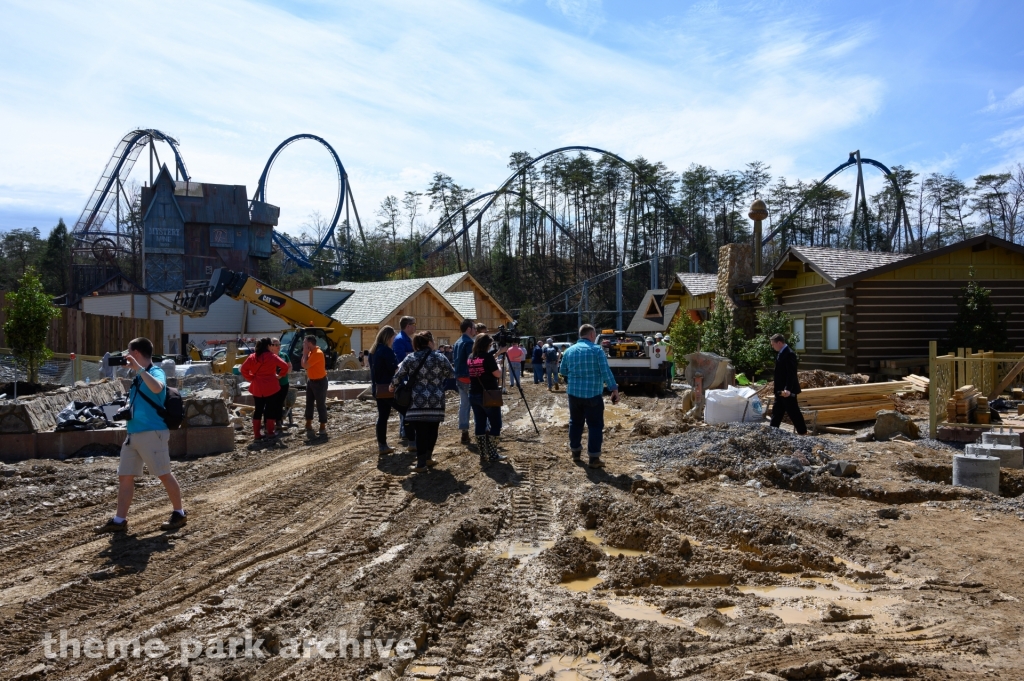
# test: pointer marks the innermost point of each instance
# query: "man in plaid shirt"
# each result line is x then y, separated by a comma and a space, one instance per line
586, 370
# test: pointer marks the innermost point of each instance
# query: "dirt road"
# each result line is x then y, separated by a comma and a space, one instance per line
654, 568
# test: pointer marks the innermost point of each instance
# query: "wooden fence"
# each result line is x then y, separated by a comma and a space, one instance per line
93, 334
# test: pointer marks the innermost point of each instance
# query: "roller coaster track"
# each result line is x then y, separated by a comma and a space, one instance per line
303, 254
859, 196
120, 165
491, 197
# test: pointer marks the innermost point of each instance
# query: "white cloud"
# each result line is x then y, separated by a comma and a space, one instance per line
586, 14
401, 90
1014, 100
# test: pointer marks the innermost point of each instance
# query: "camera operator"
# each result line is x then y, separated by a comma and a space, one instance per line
147, 441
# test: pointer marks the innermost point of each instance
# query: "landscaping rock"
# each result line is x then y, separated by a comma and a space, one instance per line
842, 469
206, 408
889, 423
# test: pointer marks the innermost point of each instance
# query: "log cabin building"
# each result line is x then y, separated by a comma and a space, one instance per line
851, 309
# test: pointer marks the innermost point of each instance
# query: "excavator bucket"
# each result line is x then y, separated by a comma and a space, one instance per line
195, 301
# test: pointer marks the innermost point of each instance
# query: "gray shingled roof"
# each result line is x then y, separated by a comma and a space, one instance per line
837, 263
698, 284
372, 302
463, 301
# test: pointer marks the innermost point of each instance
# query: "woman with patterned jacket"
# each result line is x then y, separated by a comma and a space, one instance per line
426, 371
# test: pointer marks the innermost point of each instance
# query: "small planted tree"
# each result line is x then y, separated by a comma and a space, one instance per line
757, 354
978, 326
684, 337
29, 312
718, 335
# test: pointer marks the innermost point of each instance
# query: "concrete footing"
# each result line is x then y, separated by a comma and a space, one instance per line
1009, 457
981, 472
185, 442
998, 438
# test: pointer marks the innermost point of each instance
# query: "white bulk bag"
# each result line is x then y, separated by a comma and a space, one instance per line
735, 404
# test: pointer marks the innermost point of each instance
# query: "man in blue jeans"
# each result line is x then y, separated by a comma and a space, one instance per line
402, 346
460, 353
585, 368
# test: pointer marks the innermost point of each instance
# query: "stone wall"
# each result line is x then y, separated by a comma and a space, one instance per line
38, 413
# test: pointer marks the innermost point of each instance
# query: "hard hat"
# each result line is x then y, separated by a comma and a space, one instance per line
659, 336
550, 340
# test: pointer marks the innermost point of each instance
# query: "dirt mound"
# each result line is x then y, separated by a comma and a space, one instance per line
749, 450
819, 379
573, 558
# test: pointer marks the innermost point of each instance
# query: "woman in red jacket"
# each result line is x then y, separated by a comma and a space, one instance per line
263, 369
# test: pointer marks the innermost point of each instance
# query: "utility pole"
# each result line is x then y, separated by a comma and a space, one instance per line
618, 298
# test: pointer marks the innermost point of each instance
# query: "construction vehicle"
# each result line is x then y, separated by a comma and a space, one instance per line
633, 360
332, 336
222, 360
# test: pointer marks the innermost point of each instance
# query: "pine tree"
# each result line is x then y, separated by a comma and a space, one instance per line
978, 326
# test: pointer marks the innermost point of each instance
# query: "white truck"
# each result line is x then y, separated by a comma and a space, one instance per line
634, 361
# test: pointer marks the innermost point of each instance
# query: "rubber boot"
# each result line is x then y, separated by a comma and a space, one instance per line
493, 455
481, 445
257, 434
271, 423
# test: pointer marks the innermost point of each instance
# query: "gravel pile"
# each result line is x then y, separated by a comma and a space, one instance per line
747, 448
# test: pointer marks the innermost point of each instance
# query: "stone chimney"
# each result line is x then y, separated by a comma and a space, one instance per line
735, 270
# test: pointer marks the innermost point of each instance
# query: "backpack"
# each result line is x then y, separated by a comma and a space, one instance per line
551, 354
173, 411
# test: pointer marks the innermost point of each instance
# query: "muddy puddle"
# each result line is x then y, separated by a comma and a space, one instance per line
591, 536
525, 550
566, 668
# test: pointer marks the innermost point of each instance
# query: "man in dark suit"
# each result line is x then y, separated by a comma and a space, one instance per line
787, 386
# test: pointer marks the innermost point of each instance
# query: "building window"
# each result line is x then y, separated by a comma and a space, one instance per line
799, 336
830, 332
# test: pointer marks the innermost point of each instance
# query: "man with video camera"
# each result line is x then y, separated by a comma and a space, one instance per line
147, 441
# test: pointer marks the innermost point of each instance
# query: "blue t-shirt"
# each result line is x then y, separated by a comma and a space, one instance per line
144, 416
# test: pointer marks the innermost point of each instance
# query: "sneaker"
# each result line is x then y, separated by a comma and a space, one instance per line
322, 435
111, 526
420, 469
431, 463
577, 454
411, 449
310, 434
384, 449
596, 463
465, 437
175, 521
498, 457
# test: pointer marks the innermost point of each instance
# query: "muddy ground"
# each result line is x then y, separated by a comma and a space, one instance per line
725, 553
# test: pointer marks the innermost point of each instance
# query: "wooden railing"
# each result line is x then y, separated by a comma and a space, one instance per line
990, 372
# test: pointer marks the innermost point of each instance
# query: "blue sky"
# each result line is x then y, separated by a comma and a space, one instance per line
403, 89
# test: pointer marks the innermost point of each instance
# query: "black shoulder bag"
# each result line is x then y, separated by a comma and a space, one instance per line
403, 394
173, 411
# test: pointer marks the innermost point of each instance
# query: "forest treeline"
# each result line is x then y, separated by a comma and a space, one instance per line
573, 216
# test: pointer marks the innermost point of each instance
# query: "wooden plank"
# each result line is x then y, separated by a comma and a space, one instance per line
1007, 380
856, 389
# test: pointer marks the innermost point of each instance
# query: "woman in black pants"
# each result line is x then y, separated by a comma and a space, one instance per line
382, 368
427, 371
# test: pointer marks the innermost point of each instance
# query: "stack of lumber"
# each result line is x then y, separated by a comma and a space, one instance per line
903, 366
921, 383
960, 408
848, 403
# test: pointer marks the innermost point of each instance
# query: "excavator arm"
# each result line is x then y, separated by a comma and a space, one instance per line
196, 302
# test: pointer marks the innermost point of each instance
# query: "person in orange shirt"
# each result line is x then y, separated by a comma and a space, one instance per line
315, 364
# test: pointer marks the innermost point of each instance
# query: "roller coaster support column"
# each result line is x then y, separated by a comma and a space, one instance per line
758, 212
618, 299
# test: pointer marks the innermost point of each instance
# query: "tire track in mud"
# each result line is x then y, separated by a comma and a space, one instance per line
162, 580
263, 575
44, 542
532, 503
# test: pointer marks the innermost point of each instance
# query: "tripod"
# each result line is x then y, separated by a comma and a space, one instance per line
506, 369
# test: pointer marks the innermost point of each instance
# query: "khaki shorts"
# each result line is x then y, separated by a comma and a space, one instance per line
150, 447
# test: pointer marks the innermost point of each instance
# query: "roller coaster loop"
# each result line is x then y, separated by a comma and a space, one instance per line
291, 248
859, 197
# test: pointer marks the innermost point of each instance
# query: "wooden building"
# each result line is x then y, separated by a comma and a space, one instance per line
694, 292
439, 305
654, 314
853, 308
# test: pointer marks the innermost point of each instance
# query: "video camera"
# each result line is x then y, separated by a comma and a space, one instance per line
117, 359
505, 336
